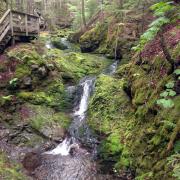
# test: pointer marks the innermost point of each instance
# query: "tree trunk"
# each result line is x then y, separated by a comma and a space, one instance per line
83, 13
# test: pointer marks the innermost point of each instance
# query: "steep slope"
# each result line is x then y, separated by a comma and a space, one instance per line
136, 113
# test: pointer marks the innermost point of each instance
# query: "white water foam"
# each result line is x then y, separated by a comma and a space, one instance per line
62, 149
83, 106
49, 45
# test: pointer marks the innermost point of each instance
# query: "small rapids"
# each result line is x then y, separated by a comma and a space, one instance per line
62, 149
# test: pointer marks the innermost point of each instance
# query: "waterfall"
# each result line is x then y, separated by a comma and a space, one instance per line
79, 115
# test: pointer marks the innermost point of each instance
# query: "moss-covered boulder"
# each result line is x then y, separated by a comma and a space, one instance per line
48, 122
58, 43
113, 39
10, 169
91, 40
73, 66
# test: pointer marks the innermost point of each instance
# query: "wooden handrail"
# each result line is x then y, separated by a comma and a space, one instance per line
16, 24
5, 15
23, 13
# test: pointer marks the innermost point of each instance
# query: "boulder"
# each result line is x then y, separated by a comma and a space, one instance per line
53, 131
42, 72
27, 82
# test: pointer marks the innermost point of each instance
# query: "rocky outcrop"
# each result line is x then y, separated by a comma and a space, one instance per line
91, 40
115, 40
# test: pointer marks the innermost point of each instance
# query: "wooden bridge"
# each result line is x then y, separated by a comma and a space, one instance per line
15, 25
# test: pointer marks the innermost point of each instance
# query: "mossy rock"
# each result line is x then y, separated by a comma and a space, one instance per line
45, 120
147, 132
9, 170
57, 43
91, 40
74, 66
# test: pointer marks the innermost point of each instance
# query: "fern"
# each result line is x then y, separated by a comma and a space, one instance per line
160, 9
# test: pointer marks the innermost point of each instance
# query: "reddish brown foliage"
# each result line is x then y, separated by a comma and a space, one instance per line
9, 67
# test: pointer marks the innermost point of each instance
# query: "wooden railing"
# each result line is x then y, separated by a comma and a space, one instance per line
18, 24
23, 23
5, 24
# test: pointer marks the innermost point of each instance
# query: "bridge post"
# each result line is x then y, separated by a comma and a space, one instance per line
12, 30
26, 24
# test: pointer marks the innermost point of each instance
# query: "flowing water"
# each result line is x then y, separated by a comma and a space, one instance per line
71, 160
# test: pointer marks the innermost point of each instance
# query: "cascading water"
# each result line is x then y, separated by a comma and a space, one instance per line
79, 115
75, 157
49, 45
86, 86
79, 132
111, 69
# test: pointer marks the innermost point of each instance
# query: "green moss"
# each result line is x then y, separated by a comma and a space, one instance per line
9, 170
106, 103
146, 131
35, 97
26, 53
74, 66
111, 147
147, 176
42, 116
95, 39
22, 70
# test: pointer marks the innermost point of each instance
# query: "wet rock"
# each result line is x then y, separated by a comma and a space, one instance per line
54, 132
34, 67
42, 72
31, 161
27, 82
50, 67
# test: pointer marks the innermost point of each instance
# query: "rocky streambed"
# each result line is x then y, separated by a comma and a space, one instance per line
43, 139
74, 158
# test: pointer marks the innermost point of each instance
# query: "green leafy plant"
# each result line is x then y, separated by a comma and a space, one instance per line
7, 98
165, 101
177, 73
170, 84
13, 83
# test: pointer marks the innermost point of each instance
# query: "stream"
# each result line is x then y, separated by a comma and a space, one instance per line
71, 159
